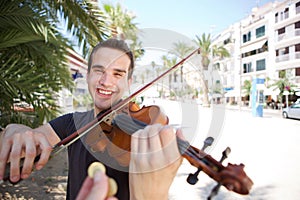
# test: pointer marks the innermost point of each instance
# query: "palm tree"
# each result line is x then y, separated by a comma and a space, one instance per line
168, 63
32, 54
122, 26
181, 49
83, 20
208, 52
283, 84
247, 87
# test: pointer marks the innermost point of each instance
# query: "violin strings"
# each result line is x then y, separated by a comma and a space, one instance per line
130, 125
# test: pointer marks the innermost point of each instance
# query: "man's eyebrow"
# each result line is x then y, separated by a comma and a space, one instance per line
120, 70
115, 69
97, 66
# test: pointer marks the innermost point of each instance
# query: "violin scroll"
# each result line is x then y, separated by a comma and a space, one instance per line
234, 178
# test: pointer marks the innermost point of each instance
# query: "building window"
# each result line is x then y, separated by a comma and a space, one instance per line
247, 37
297, 47
276, 17
260, 32
283, 51
281, 31
286, 13
260, 65
297, 72
247, 67
298, 7
227, 41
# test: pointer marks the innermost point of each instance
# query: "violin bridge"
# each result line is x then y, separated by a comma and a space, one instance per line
109, 118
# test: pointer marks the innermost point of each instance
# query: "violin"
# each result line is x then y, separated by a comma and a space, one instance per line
125, 117
118, 133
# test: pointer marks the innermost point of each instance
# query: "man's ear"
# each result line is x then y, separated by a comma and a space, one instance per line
129, 82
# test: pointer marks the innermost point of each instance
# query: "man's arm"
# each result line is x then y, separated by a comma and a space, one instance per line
19, 141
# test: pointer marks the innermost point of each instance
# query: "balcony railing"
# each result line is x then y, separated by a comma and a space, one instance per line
281, 37
282, 58
297, 55
297, 32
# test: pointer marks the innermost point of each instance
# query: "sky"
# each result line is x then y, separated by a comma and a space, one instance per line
189, 17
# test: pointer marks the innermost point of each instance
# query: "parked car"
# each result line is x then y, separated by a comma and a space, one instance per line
292, 111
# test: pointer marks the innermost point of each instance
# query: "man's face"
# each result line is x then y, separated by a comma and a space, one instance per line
108, 77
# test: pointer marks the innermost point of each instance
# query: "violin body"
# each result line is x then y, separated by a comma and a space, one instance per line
117, 139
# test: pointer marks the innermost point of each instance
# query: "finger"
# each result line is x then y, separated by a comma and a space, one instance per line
154, 141
143, 141
100, 186
155, 152
4, 155
167, 135
30, 153
45, 148
137, 159
135, 142
169, 143
180, 134
85, 188
14, 158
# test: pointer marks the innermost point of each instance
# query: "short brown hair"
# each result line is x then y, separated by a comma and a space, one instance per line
115, 44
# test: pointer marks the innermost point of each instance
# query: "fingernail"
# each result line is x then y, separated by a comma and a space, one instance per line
98, 176
14, 178
24, 176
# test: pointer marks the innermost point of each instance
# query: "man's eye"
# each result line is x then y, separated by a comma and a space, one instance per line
119, 74
98, 71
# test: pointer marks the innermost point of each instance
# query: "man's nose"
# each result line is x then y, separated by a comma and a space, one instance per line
105, 79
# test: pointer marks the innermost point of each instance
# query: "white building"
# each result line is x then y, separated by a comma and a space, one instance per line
261, 46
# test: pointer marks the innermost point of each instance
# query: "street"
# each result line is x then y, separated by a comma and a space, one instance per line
268, 146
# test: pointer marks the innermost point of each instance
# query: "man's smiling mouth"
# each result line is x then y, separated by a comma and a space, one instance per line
104, 92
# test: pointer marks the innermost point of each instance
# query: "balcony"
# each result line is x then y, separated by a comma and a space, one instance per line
282, 58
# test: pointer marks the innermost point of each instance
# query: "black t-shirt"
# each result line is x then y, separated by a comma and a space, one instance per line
80, 158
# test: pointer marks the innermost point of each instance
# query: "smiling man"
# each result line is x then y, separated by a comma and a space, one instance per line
109, 74
110, 69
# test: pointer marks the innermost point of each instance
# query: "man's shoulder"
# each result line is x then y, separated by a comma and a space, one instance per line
83, 113
83, 117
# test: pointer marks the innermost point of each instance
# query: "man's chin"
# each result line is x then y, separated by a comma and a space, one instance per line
103, 106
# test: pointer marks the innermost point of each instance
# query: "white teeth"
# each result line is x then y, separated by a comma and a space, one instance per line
104, 92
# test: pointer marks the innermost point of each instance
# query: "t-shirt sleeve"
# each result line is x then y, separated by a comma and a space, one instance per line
63, 125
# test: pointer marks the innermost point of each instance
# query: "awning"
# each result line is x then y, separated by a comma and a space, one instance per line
253, 46
271, 91
234, 93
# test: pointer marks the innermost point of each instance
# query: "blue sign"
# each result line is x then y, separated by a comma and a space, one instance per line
260, 81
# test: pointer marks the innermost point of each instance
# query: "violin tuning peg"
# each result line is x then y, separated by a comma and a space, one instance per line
214, 191
207, 142
193, 178
225, 154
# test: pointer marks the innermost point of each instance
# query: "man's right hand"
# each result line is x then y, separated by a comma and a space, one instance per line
19, 142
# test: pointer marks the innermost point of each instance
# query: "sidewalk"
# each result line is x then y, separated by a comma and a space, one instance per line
249, 109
